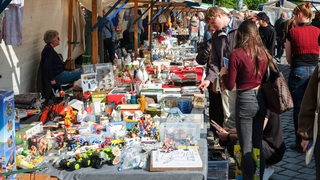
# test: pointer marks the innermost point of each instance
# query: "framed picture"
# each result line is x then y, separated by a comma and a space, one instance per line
180, 159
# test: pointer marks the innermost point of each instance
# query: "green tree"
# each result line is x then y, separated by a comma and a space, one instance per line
251, 4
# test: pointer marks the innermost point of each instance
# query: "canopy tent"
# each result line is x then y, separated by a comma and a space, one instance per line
113, 7
107, 4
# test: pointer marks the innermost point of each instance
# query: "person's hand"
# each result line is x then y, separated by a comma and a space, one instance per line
304, 144
223, 71
203, 86
223, 135
231, 131
53, 82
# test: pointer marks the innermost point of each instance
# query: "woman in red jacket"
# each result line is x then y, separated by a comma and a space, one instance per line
246, 68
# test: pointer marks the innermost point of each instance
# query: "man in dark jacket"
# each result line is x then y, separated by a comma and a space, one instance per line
222, 105
267, 32
281, 38
109, 38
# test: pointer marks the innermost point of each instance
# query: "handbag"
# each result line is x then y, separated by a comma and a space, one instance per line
311, 145
276, 92
69, 64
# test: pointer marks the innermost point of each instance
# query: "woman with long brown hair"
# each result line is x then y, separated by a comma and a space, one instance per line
246, 68
302, 53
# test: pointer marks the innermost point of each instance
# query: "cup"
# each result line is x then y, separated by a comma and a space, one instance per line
164, 76
133, 99
128, 98
185, 105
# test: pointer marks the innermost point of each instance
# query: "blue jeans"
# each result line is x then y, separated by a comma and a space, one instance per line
109, 50
194, 43
250, 114
131, 45
68, 76
298, 81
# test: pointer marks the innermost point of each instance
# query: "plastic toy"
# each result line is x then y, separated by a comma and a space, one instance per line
83, 159
106, 143
99, 159
70, 164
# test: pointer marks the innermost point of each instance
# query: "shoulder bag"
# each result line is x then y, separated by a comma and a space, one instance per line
276, 92
69, 64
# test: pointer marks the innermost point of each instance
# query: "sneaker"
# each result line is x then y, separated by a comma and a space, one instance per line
268, 173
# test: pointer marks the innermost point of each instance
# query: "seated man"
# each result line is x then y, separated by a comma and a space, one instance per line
273, 145
51, 65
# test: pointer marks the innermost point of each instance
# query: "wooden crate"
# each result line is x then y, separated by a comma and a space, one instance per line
27, 176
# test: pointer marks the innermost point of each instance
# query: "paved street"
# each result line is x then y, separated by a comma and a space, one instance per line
292, 165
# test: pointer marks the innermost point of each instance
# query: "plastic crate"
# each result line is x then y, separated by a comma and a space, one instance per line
218, 170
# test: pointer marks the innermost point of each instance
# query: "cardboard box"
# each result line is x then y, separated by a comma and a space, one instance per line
28, 131
116, 95
89, 82
105, 76
7, 132
40, 143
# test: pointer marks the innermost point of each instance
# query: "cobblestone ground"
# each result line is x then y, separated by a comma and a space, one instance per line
292, 165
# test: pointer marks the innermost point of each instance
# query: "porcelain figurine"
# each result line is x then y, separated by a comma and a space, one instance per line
142, 73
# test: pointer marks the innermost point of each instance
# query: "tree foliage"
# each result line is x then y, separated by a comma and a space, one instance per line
251, 4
